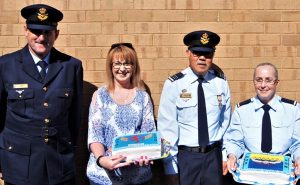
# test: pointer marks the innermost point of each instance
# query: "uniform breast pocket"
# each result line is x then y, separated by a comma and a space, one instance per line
252, 131
282, 131
216, 103
187, 110
217, 100
20, 100
64, 97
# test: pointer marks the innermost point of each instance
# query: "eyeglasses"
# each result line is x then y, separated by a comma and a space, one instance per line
40, 32
127, 44
117, 65
259, 81
200, 53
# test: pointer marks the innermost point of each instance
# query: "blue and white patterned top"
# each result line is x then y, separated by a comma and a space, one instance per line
107, 119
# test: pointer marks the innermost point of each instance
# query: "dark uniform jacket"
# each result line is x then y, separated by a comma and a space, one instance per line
39, 119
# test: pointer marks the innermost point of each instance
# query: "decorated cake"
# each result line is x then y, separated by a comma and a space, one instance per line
142, 144
262, 168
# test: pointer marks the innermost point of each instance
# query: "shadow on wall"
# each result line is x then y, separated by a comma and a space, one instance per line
157, 167
82, 153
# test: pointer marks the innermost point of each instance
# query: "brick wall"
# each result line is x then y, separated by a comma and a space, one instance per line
252, 31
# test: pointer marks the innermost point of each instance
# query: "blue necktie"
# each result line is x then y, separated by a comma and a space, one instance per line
266, 133
203, 138
43, 65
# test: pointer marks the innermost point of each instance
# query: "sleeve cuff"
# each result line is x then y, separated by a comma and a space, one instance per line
296, 155
238, 153
224, 155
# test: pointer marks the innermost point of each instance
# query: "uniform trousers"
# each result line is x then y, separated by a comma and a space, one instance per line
200, 168
70, 182
146, 183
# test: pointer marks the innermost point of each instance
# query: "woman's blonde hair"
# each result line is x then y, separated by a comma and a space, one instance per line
128, 53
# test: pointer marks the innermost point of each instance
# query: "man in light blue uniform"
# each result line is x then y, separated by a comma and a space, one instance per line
178, 114
245, 131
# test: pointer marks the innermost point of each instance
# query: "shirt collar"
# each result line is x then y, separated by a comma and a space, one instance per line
37, 59
193, 77
274, 103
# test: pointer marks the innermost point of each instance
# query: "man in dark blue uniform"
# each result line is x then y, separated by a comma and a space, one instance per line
40, 102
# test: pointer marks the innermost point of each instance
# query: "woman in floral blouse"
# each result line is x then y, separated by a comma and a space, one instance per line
118, 108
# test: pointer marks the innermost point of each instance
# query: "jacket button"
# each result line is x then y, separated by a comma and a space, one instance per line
67, 94
10, 148
45, 89
46, 140
47, 120
46, 104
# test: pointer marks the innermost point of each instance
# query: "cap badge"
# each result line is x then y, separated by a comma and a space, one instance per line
204, 38
42, 15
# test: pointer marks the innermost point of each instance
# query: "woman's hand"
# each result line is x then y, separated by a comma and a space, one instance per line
297, 166
113, 162
232, 162
225, 168
143, 161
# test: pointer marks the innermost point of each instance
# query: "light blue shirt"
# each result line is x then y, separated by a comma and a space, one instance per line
244, 133
178, 112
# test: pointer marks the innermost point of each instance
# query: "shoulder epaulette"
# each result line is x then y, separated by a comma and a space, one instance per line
176, 76
218, 71
243, 103
285, 100
220, 75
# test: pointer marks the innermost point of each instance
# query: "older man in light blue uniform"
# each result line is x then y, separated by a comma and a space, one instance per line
245, 131
178, 114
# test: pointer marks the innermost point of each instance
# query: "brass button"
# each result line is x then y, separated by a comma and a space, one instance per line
46, 104
10, 148
46, 120
45, 88
20, 96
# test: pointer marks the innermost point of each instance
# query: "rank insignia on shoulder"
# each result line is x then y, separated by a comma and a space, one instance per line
285, 100
218, 71
243, 103
175, 77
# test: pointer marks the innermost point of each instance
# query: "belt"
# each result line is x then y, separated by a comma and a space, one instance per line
201, 149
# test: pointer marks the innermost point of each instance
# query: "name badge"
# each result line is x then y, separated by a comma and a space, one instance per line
185, 95
20, 86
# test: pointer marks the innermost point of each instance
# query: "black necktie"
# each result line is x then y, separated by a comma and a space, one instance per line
43, 65
202, 117
266, 133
